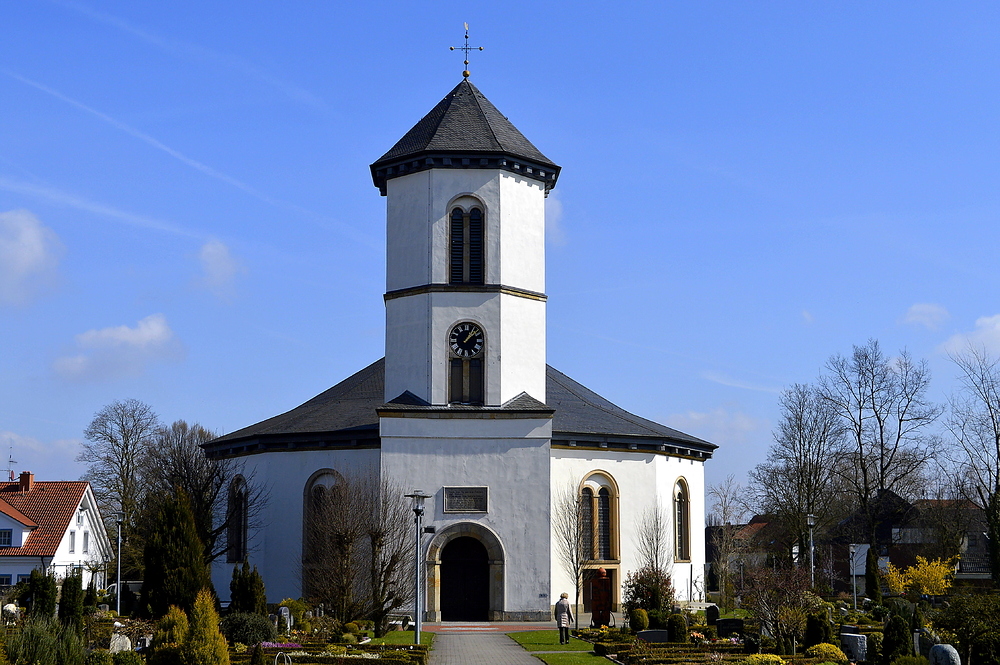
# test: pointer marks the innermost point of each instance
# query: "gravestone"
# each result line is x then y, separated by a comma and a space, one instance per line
600, 599
854, 646
120, 642
711, 614
944, 654
654, 636
729, 627
286, 616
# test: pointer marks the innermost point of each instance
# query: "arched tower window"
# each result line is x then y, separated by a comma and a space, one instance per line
466, 364
599, 514
682, 522
236, 526
467, 244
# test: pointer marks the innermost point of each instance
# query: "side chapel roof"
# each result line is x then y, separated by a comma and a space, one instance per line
347, 413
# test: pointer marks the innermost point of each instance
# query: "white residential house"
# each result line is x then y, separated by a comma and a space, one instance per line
52, 525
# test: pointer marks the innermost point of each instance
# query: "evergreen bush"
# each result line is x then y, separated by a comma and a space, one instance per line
910, 660
248, 628
638, 619
763, 659
35, 644
677, 628
257, 655
171, 629
99, 657
873, 578
71, 602
818, 630
205, 645
352, 627
827, 652
127, 658
874, 647
69, 645
896, 640
247, 592
42, 592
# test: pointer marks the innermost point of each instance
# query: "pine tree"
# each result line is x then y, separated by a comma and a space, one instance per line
90, 600
42, 591
873, 581
247, 593
205, 645
71, 602
173, 558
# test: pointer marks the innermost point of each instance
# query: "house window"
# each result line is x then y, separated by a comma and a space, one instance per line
598, 512
72, 542
6, 537
466, 246
86, 542
23, 578
79, 517
682, 522
236, 528
4, 580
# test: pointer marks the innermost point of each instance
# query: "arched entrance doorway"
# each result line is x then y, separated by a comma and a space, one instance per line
465, 581
465, 574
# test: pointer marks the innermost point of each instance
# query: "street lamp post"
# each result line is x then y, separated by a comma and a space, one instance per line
854, 579
119, 519
417, 497
811, 522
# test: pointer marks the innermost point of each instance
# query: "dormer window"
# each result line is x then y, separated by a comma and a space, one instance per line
467, 247
6, 537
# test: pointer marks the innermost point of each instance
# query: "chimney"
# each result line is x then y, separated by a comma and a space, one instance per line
26, 481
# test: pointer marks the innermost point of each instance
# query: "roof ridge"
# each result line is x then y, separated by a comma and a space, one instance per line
475, 98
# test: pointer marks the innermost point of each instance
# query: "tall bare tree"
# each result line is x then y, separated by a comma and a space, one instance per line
176, 462
357, 558
653, 539
570, 532
116, 443
883, 405
799, 477
974, 423
728, 510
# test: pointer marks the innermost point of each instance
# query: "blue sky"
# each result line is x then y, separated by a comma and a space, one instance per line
187, 216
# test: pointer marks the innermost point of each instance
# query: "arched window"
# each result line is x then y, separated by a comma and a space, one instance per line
598, 513
236, 526
682, 522
467, 243
319, 524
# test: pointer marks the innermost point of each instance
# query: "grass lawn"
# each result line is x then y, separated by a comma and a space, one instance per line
548, 640
404, 637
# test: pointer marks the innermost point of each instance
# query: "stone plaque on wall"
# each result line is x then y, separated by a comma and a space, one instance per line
466, 499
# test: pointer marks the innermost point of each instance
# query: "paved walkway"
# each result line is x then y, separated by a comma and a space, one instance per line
478, 648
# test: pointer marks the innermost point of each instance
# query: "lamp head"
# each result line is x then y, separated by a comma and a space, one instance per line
417, 498
810, 520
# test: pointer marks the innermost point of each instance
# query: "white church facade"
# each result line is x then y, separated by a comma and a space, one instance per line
464, 407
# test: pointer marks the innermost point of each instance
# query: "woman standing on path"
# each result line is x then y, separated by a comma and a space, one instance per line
564, 617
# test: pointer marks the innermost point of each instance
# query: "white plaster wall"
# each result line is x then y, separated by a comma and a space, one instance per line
522, 243
522, 325
276, 548
408, 347
642, 478
511, 458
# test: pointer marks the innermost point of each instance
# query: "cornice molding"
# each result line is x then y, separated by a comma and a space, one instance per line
464, 288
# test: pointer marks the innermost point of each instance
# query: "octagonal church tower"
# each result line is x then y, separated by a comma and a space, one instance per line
464, 407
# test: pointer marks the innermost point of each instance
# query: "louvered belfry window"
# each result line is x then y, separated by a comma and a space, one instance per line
467, 247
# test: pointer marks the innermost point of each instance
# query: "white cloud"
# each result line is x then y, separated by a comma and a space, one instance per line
219, 267
720, 426
985, 336
120, 351
807, 317
29, 256
554, 231
928, 315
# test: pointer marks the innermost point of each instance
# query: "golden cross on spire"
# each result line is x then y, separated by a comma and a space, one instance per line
466, 48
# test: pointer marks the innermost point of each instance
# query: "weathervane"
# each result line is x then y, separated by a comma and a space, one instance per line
466, 48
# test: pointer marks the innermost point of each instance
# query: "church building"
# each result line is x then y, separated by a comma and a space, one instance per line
464, 407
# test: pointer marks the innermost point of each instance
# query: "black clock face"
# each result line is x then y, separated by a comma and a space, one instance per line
466, 340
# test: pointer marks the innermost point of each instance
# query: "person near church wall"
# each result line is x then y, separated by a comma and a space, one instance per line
564, 617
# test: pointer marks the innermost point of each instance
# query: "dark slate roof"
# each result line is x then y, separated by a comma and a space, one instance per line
349, 412
463, 125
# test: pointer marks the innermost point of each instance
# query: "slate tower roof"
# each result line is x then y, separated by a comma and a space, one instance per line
464, 130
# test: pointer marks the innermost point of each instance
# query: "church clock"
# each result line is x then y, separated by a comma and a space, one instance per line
466, 340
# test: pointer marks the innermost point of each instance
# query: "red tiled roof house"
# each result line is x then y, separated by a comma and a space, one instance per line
53, 525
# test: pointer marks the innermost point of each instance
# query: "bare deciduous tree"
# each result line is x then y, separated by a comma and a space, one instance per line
653, 541
176, 461
799, 477
883, 404
727, 513
570, 532
974, 423
357, 548
117, 442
